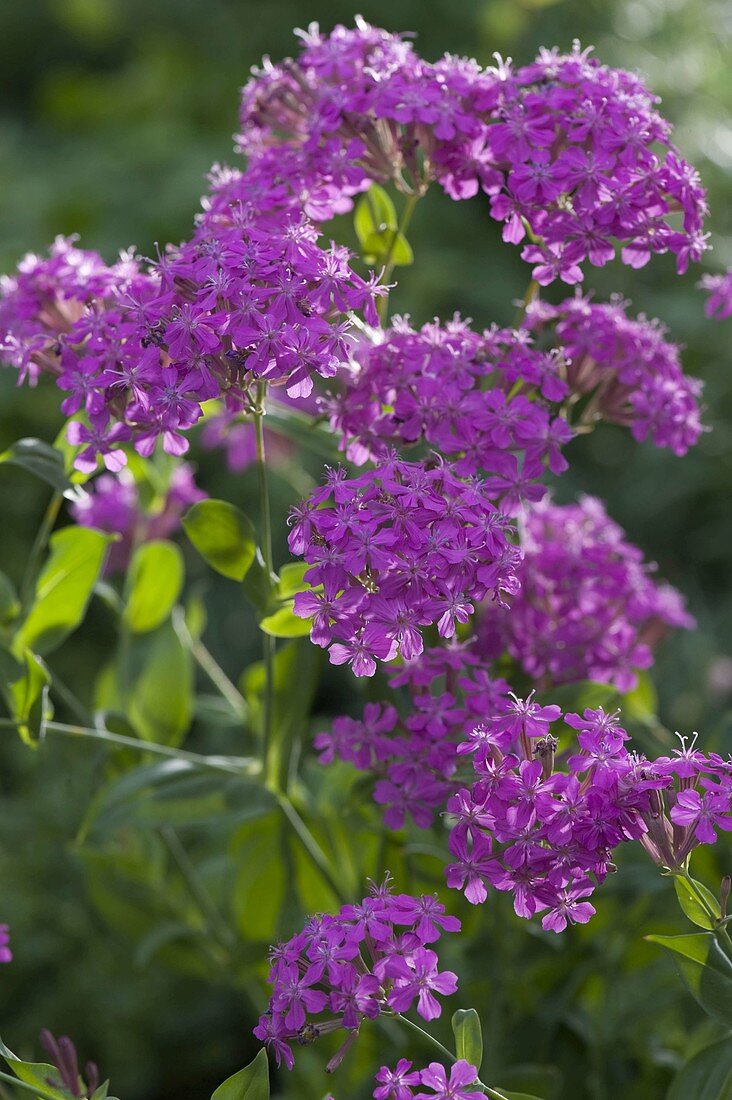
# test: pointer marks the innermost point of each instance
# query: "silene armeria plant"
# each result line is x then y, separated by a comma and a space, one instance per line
431, 558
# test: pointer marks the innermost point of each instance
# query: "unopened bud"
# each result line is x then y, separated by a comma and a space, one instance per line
724, 891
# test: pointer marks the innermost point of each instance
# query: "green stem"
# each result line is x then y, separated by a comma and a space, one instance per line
209, 665
388, 262
215, 923
37, 1090
268, 642
37, 550
312, 847
493, 1093
243, 766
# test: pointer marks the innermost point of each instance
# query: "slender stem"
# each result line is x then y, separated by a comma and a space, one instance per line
67, 697
268, 642
245, 765
37, 1090
388, 258
37, 550
209, 665
312, 846
493, 1093
215, 923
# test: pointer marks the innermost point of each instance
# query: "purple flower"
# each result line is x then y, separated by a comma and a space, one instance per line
588, 607
388, 547
393, 1084
341, 970
456, 1087
6, 955
719, 302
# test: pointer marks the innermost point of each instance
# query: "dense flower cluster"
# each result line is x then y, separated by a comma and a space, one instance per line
249, 297
587, 607
414, 757
719, 287
483, 399
6, 955
398, 1083
573, 153
547, 836
625, 367
370, 958
112, 503
394, 550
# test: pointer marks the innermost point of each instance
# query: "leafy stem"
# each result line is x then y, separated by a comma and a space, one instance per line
37, 1090
493, 1093
401, 230
37, 550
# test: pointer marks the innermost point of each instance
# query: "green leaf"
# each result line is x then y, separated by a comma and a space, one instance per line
468, 1036
284, 623
704, 969
292, 579
259, 586
34, 1073
28, 699
391, 243
691, 905
43, 460
9, 602
154, 583
706, 1076
223, 536
374, 213
160, 697
251, 1083
642, 702
63, 589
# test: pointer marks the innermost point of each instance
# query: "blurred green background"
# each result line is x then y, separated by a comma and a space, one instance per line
111, 112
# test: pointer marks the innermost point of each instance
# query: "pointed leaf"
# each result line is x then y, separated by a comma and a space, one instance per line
704, 969
63, 589
223, 536
374, 213
251, 1083
154, 582
284, 623
34, 1073
388, 242
691, 905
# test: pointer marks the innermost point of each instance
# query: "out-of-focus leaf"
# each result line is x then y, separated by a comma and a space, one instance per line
224, 537
258, 586
296, 663
25, 686
375, 212
154, 582
705, 970
9, 602
63, 589
691, 905
284, 623
706, 1076
642, 702
261, 877
160, 692
250, 1083
388, 243
43, 460
468, 1036
292, 579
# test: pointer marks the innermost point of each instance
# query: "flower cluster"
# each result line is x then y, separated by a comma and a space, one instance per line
6, 955
627, 370
483, 399
587, 607
370, 958
414, 757
398, 1083
249, 297
112, 503
396, 549
719, 287
573, 153
547, 834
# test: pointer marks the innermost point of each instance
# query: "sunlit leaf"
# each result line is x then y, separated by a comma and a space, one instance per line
468, 1036
284, 623
224, 537
154, 583
691, 905
63, 589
